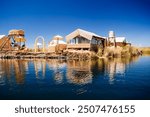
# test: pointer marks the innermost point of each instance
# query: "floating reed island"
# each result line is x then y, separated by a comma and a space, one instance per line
80, 44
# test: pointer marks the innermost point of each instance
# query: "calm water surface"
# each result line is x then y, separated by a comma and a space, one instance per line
60, 79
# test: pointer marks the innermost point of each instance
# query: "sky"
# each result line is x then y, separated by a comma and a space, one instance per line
47, 18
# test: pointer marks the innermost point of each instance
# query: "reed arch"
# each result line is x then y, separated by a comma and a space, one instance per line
36, 42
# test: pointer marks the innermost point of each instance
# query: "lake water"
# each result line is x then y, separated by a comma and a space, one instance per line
72, 79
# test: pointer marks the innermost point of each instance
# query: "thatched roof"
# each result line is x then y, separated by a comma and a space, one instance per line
57, 37
16, 32
83, 33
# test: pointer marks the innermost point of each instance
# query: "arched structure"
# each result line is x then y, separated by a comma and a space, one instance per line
36, 44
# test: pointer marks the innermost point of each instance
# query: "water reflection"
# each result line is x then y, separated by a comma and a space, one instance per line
10, 68
58, 68
116, 67
79, 72
72, 79
70, 71
40, 66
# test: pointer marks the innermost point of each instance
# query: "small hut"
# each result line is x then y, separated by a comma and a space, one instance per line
15, 32
13, 41
56, 45
120, 41
17, 38
116, 41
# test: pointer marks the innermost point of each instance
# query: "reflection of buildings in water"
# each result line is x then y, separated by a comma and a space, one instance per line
55, 63
114, 67
20, 67
120, 68
111, 70
58, 67
117, 66
100, 65
26, 66
40, 66
11, 67
58, 77
79, 77
2, 80
6, 68
79, 72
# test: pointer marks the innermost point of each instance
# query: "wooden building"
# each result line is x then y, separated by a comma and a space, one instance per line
17, 39
120, 41
5, 43
81, 39
13, 41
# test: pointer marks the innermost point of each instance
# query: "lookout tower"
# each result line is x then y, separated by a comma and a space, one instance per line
111, 38
17, 38
13, 41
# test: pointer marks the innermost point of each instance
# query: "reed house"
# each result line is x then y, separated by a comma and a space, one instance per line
13, 41
81, 39
116, 41
57, 44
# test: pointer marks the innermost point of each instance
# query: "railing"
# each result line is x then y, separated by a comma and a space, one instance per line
78, 46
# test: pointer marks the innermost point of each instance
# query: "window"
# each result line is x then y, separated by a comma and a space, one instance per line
72, 41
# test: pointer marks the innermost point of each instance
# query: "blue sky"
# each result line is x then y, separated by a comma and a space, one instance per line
129, 18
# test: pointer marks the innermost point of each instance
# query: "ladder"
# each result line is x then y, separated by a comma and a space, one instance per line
4, 42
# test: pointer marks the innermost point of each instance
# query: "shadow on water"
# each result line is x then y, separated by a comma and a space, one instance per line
71, 79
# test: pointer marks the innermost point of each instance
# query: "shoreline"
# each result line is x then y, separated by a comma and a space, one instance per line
108, 52
74, 55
